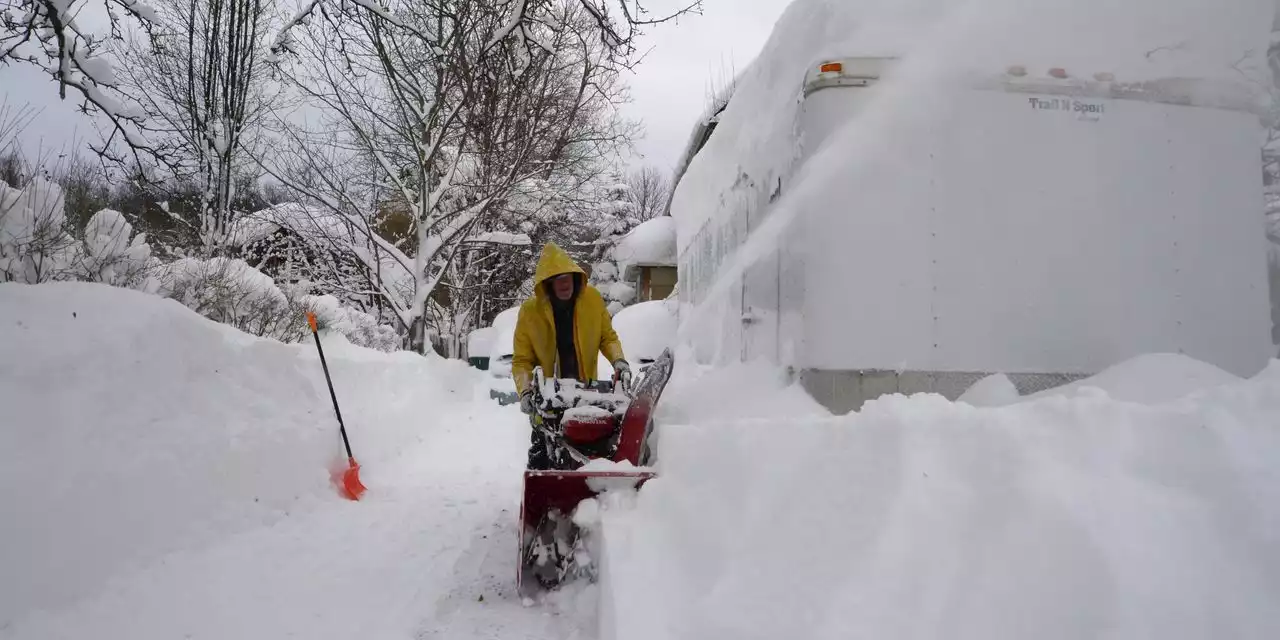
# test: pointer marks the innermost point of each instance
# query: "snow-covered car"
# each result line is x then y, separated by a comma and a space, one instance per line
503, 343
478, 344
646, 328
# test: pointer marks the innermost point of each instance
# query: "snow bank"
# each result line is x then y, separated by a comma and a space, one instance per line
134, 427
1058, 517
739, 391
1149, 379
992, 391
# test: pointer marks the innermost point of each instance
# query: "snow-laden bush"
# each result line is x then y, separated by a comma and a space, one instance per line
232, 292
111, 257
34, 245
358, 327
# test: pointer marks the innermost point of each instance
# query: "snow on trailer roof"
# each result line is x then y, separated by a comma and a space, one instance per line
755, 137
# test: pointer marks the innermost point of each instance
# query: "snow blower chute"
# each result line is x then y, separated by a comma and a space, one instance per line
585, 427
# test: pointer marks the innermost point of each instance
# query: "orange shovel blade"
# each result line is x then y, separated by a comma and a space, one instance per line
348, 481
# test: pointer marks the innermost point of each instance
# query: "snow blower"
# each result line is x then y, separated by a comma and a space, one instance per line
585, 427
347, 480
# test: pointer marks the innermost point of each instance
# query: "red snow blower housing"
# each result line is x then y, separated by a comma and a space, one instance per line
581, 424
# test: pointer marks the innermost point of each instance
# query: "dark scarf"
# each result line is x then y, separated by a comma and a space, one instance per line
562, 311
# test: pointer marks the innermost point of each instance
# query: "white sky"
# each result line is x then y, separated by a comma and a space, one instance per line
669, 89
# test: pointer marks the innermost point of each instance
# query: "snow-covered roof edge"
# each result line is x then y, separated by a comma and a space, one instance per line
701, 131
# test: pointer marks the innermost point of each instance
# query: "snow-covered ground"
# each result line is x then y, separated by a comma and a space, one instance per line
163, 476
1142, 503
166, 477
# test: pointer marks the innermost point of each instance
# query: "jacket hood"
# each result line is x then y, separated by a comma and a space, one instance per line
553, 262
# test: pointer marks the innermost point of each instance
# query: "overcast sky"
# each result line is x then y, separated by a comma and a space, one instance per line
669, 88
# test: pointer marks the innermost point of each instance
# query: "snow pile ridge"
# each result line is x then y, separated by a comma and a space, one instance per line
151, 429
1149, 379
1066, 517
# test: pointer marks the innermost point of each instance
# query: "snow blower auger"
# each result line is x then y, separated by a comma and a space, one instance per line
581, 424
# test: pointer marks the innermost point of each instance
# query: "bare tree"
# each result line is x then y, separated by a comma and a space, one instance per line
45, 33
616, 24
202, 83
650, 191
435, 121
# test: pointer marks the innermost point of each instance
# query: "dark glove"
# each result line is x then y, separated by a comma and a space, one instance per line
622, 374
527, 403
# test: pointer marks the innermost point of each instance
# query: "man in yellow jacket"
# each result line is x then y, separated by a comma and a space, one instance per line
561, 327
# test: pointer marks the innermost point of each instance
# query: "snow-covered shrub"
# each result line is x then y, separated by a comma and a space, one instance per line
110, 256
34, 245
360, 328
232, 292
617, 294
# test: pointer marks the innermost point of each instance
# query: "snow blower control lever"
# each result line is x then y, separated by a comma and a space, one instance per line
349, 484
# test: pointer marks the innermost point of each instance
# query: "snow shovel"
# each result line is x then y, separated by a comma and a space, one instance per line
349, 483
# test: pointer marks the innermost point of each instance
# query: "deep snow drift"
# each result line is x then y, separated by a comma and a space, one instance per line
164, 476
1073, 515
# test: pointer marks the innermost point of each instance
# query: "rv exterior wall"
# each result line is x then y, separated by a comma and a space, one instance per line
1043, 234
1025, 233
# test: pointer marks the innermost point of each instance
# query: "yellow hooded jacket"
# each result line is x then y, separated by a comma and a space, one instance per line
535, 340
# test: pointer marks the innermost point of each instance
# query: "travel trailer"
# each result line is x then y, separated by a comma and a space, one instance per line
1051, 222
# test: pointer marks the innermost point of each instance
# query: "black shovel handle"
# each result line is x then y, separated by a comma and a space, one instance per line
311, 319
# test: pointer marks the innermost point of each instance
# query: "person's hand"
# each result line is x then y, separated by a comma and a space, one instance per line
622, 374
527, 403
